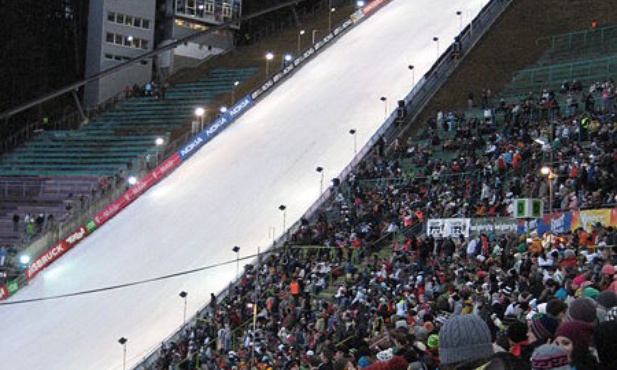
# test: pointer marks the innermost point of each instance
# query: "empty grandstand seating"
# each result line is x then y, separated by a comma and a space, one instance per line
57, 168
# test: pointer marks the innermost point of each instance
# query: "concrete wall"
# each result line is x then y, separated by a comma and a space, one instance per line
99, 49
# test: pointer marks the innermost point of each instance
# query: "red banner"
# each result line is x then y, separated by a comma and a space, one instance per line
46, 258
4, 293
137, 189
56, 251
372, 6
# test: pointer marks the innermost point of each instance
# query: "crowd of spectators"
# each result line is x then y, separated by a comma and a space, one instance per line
359, 287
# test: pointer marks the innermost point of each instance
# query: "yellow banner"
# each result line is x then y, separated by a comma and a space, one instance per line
586, 219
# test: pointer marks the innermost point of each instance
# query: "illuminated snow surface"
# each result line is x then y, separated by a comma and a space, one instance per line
227, 194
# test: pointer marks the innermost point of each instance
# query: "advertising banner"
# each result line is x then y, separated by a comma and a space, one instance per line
111, 210
497, 225
455, 227
435, 227
192, 146
134, 191
448, 227
12, 286
91, 226
357, 16
214, 127
586, 219
46, 258
56, 251
372, 6
561, 223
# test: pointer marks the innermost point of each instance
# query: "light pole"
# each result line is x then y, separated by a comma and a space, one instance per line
122, 342
355, 141
413, 74
436, 39
330, 11
283, 208
300, 34
236, 250
286, 59
184, 296
321, 172
199, 113
550, 177
385, 105
233, 92
314, 36
256, 301
158, 142
269, 57
460, 20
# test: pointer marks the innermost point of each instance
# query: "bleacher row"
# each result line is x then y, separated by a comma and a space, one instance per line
338, 317
59, 172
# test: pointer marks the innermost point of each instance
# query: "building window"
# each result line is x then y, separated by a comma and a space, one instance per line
109, 37
128, 20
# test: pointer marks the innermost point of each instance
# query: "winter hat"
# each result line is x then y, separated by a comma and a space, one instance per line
464, 338
556, 306
433, 341
544, 327
385, 355
591, 292
582, 309
401, 324
550, 356
607, 299
605, 341
578, 332
579, 280
421, 333
608, 269
517, 332
611, 315
363, 361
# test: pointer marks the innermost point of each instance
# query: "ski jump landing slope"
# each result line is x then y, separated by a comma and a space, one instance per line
227, 194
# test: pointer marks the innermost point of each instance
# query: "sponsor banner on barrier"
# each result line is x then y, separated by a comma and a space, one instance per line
435, 227
357, 15
215, 127
448, 227
91, 226
586, 219
195, 143
56, 251
4, 293
46, 258
498, 225
560, 223
239, 108
166, 166
108, 212
76, 236
12, 286
372, 6
134, 191
345, 25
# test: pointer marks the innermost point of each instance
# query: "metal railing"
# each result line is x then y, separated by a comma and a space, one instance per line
579, 38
